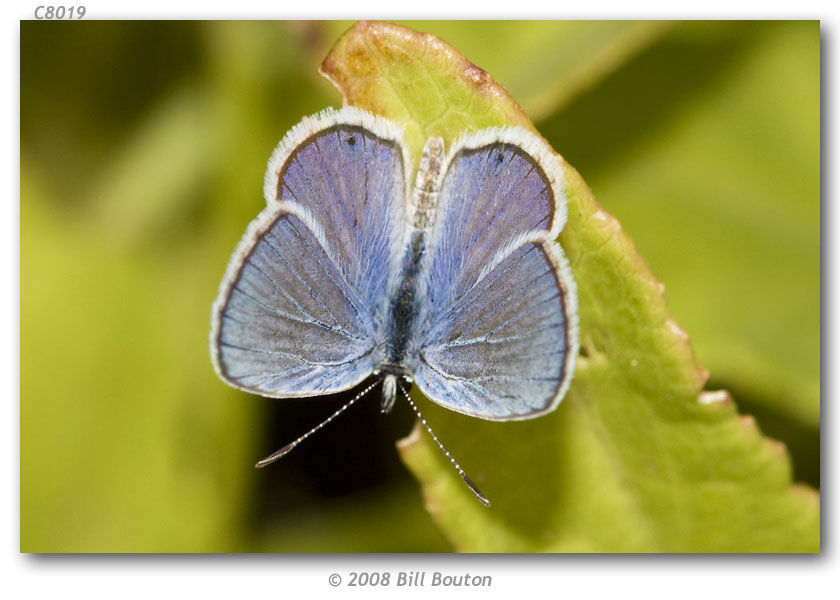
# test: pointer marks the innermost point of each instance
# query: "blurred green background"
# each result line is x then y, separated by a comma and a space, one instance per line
143, 146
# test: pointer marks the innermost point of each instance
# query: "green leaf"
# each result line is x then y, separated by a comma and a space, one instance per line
543, 64
637, 457
377, 68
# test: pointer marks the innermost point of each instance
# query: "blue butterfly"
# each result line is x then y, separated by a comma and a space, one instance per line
454, 282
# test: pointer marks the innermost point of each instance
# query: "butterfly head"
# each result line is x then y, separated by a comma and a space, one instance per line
391, 375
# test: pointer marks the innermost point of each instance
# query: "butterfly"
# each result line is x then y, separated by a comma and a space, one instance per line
452, 281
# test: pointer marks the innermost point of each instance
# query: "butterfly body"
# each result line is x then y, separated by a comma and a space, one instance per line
398, 346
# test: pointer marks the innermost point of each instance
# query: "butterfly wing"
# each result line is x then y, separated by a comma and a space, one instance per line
350, 174
298, 310
500, 334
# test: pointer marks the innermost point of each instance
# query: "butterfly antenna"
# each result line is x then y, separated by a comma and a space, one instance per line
289, 447
455, 464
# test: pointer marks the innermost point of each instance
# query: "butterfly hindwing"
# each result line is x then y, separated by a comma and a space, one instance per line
286, 323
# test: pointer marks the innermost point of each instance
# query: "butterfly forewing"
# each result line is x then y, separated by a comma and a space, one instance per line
350, 176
